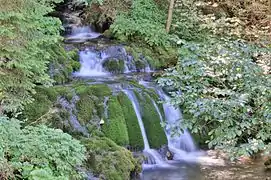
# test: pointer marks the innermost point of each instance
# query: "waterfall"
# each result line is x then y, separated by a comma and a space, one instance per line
130, 94
180, 144
81, 34
154, 156
91, 64
157, 110
106, 107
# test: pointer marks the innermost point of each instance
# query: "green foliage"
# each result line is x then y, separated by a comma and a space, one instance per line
151, 120
134, 132
158, 57
108, 160
187, 22
115, 127
27, 37
44, 103
145, 22
38, 152
224, 93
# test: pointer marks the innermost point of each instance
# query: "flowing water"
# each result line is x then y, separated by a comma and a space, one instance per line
91, 64
81, 34
181, 144
154, 156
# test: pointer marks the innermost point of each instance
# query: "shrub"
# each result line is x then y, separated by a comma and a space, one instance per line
38, 151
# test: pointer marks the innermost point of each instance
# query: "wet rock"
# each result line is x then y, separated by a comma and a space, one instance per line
113, 65
117, 52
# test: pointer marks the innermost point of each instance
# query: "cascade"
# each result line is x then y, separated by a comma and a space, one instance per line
154, 156
180, 144
107, 61
91, 64
81, 34
106, 107
93, 60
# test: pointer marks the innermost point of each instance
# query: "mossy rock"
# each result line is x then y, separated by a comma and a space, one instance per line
64, 91
43, 102
98, 90
139, 65
134, 132
151, 120
85, 107
109, 161
74, 55
63, 64
115, 127
114, 65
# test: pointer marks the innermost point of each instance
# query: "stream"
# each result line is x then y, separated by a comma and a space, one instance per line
187, 162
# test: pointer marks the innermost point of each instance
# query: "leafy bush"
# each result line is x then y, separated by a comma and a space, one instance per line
223, 93
38, 152
144, 22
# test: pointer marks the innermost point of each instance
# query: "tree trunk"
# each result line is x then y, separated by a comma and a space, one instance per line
169, 15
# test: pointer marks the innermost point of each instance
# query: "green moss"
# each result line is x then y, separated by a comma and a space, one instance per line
134, 132
85, 107
108, 160
75, 65
65, 91
98, 90
151, 120
115, 128
43, 101
73, 54
114, 65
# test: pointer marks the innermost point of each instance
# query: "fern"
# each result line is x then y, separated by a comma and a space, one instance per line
25, 37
